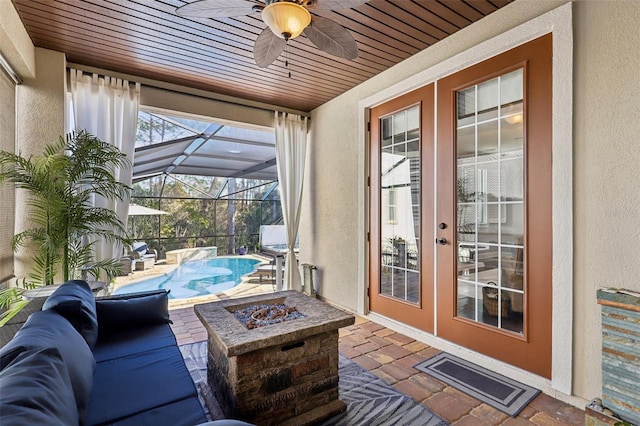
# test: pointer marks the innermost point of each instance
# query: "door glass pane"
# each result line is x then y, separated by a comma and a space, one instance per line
512, 229
400, 127
400, 206
467, 299
490, 202
387, 136
487, 138
466, 107
466, 145
512, 176
467, 223
511, 134
413, 123
488, 95
511, 88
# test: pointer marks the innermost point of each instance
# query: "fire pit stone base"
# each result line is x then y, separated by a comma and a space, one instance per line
280, 374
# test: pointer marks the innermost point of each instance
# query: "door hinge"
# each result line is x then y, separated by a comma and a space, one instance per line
368, 126
368, 236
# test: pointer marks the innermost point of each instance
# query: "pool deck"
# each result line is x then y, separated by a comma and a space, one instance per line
384, 352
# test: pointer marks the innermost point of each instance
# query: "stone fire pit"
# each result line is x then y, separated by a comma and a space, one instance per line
275, 374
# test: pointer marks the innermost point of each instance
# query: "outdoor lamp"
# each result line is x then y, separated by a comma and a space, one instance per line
286, 20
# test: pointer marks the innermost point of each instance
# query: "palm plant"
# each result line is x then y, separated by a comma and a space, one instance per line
61, 184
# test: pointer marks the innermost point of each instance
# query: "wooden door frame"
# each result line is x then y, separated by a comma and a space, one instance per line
421, 315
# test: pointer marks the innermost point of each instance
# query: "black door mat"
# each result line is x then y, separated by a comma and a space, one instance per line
496, 390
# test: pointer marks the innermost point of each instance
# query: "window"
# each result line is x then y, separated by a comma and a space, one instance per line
490, 148
7, 192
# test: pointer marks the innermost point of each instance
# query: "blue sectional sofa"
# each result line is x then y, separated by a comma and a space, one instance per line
105, 361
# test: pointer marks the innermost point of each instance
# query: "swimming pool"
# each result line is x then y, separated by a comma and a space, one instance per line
197, 277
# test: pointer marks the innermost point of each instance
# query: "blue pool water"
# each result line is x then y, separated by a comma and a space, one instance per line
197, 277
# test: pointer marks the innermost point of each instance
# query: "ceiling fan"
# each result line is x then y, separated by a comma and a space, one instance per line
285, 19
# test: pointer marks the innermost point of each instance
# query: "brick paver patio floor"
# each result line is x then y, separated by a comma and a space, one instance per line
392, 356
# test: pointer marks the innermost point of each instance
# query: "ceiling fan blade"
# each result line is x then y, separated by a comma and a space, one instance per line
331, 37
335, 4
217, 8
267, 48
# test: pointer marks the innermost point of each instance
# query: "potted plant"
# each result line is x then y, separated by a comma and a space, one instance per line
64, 223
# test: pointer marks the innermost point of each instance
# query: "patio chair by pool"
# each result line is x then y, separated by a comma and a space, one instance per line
273, 242
144, 257
128, 264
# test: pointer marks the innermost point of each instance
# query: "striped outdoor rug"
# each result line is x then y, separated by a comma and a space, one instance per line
370, 401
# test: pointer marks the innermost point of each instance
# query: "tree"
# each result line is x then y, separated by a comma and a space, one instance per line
60, 184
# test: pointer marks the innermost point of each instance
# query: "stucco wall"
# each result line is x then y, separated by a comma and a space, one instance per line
40, 114
40, 100
41, 103
606, 158
606, 169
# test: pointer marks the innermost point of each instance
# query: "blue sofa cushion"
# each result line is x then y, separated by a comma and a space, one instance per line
132, 341
48, 330
36, 389
8, 355
75, 301
140, 382
186, 412
133, 310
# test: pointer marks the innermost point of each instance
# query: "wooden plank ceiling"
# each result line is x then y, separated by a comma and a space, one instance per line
146, 38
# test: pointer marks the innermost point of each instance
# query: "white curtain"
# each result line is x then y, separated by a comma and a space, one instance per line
107, 108
291, 148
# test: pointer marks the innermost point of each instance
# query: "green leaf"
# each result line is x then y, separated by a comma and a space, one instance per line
60, 184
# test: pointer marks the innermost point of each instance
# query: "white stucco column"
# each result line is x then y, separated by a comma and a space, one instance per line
40, 118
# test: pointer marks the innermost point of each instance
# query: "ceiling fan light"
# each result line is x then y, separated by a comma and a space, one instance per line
286, 19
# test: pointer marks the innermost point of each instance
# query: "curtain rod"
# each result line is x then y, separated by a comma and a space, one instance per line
100, 74
171, 87
9, 70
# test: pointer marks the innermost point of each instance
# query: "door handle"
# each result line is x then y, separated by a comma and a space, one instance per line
441, 241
